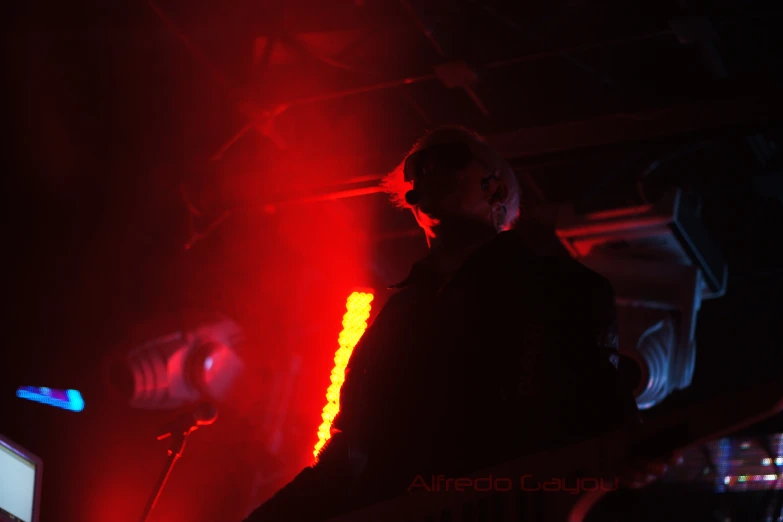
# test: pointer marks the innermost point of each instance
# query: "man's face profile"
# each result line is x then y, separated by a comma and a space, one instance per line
452, 182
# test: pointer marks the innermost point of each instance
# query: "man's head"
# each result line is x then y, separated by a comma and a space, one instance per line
456, 177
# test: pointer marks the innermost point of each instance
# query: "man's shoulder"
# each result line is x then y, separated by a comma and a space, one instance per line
560, 268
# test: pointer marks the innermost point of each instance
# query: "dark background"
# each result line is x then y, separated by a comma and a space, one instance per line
116, 111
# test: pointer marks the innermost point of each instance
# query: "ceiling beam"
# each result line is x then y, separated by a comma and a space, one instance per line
698, 117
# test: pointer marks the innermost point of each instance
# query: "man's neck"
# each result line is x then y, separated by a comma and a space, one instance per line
455, 242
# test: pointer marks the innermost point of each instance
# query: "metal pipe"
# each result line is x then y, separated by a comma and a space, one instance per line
331, 196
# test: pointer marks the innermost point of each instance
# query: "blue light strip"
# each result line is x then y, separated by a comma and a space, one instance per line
70, 400
724, 454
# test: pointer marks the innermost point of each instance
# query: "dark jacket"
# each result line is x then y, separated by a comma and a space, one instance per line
515, 354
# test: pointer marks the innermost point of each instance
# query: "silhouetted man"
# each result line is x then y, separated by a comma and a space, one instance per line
487, 352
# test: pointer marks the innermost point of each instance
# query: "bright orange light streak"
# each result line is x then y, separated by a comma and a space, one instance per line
354, 324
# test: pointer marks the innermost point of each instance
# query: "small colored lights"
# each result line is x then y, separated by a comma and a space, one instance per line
747, 479
70, 400
766, 462
779, 461
354, 324
745, 445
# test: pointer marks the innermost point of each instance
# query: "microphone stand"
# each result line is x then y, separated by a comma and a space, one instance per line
178, 440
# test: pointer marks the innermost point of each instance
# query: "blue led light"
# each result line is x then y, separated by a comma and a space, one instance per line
722, 464
70, 400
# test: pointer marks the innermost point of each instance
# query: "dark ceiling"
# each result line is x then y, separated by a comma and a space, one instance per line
121, 114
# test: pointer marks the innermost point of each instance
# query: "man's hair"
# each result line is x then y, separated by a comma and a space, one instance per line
395, 185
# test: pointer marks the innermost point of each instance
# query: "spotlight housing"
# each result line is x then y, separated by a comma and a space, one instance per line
180, 368
662, 264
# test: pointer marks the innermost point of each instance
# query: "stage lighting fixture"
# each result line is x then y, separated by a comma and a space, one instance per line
180, 368
662, 264
354, 324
